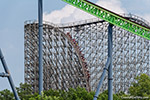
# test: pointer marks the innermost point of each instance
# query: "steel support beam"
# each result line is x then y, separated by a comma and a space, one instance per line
7, 73
40, 20
108, 67
4, 74
102, 78
110, 70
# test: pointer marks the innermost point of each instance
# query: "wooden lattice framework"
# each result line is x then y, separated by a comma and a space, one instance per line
75, 54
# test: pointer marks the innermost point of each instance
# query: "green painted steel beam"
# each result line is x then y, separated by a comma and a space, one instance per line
111, 17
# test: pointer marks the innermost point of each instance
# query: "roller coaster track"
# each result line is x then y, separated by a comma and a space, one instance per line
82, 73
131, 52
111, 17
80, 55
81, 59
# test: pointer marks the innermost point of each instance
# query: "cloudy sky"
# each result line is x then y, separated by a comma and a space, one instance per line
15, 12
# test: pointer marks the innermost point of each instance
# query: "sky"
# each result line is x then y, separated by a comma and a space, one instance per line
15, 12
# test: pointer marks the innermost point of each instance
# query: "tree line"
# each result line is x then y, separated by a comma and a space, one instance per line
139, 89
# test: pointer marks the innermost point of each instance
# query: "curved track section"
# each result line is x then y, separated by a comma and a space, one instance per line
81, 59
64, 65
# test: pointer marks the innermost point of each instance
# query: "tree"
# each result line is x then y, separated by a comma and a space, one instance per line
6, 95
104, 96
141, 87
24, 91
72, 94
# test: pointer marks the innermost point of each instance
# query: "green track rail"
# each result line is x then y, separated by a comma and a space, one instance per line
111, 17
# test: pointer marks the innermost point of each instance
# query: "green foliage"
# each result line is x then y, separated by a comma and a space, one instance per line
104, 96
44, 97
24, 91
141, 87
72, 94
79, 94
6, 95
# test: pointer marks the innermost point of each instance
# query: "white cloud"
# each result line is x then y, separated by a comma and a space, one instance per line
112, 5
71, 14
147, 17
57, 15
